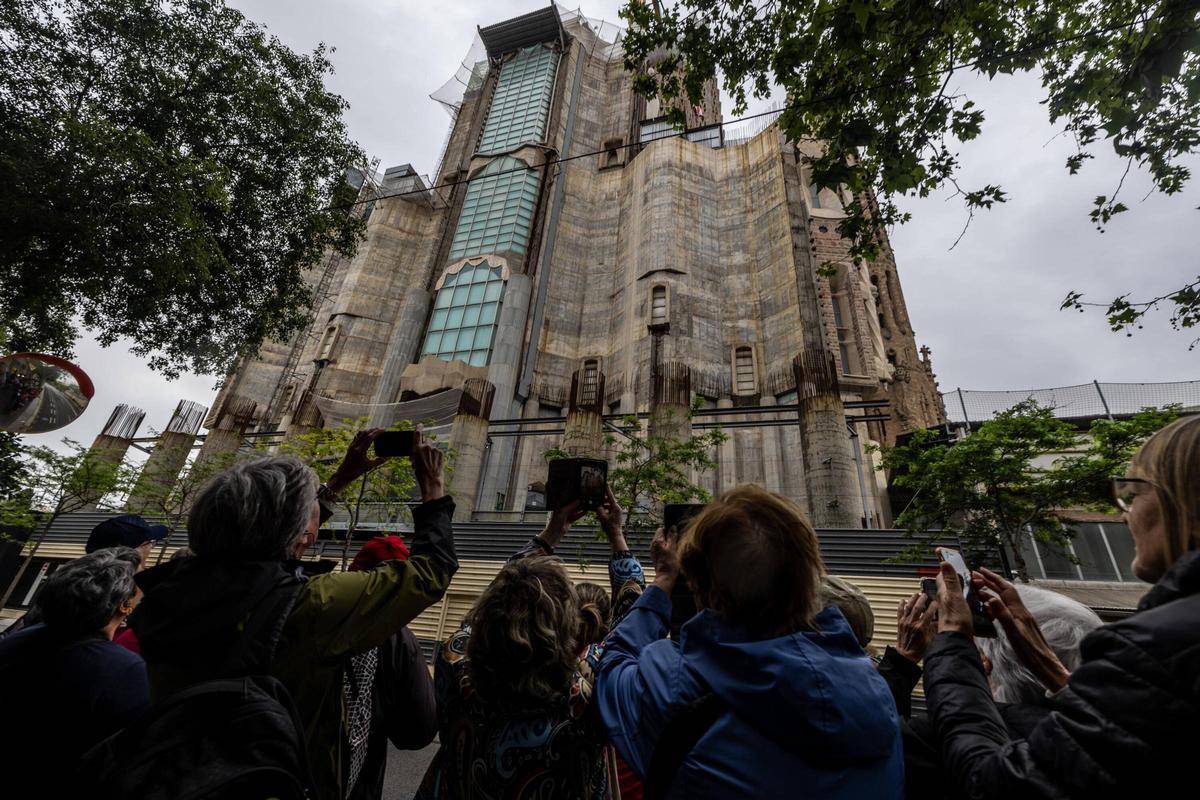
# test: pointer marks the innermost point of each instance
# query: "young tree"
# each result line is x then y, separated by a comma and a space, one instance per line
169, 172
1010, 476
382, 495
872, 81
61, 483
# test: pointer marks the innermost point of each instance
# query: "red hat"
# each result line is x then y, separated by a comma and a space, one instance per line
378, 550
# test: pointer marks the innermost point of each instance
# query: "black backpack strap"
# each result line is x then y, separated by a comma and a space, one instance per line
681, 735
261, 631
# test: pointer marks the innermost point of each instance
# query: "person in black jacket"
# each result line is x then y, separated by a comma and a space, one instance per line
1125, 722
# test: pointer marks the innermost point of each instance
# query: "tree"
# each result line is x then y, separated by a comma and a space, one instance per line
1112, 443
14, 475
1010, 477
169, 171
62, 483
383, 494
871, 81
653, 469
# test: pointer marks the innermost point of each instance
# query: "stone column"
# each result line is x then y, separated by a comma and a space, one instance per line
468, 437
226, 426
726, 455
829, 470
109, 447
151, 493
773, 466
584, 434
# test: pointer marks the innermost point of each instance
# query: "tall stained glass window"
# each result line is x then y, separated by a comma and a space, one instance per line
465, 314
521, 102
498, 210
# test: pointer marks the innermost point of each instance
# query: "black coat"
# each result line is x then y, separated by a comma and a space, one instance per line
1126, 725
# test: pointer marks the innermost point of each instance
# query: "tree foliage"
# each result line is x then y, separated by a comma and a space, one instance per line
166, 170
382, 495
871, 79
1010, 476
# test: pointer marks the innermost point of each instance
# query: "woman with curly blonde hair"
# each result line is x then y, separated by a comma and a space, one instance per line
514, 685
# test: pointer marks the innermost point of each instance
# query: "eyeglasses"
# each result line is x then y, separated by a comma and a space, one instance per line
1125, 489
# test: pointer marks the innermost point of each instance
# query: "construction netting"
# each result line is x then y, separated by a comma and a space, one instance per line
473, 68
1083, 401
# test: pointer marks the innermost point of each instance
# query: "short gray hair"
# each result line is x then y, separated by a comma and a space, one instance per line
83, 595
254, 511
1064, 623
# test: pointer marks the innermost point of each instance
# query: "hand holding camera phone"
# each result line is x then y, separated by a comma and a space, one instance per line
683, 602
395, 444
980, 618
582, 479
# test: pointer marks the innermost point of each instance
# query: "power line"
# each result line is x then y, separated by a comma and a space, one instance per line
779, 111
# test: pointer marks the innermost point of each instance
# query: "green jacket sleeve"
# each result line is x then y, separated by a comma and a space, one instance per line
341, 614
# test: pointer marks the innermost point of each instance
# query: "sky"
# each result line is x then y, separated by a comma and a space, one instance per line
988, 308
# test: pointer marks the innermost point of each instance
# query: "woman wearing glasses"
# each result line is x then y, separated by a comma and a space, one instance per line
1125, 723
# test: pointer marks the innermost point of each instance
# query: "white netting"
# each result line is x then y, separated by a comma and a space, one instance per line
1074, 402
473, 68
435, 411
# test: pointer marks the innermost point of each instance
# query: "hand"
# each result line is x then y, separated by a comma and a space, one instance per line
611, 516
953, 612
916, 623
357, 461
664, 553
1024, 634
560, 521
428, 464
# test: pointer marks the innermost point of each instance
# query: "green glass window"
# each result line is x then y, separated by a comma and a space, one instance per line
521, 102
497, 210
464, 319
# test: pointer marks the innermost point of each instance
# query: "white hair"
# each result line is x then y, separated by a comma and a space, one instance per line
1064, 623
83, 595
253, 511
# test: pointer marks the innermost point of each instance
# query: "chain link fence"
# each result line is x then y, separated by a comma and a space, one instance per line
1084, 401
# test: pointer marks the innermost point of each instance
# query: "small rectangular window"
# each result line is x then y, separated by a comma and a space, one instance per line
591, 382
658, 305
325, 351
743, 371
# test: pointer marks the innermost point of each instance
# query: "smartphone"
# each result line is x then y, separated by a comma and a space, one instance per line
979, 616
582, 479
683, 602
929, 588
395, 443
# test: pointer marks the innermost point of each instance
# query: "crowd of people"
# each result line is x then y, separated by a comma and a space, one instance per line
239, 670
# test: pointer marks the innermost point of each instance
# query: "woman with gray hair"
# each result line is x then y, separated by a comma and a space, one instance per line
68, 685
247, 529
1064, 623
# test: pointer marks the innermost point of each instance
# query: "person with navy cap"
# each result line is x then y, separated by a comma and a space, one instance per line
127, 530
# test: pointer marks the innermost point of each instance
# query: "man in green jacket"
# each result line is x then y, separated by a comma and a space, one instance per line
247, 527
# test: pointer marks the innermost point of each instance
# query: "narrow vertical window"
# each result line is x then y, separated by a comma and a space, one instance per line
744, 381
658, 305
591, 383
845, 340
325, 351
814, 194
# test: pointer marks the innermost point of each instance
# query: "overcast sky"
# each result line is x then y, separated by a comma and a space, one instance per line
988, 308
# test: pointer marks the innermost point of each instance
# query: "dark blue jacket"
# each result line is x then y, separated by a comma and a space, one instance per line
809, 715
61, 696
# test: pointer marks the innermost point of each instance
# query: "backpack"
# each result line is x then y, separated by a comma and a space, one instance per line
236, 736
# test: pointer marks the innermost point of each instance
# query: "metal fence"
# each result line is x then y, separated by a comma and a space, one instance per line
1084, 401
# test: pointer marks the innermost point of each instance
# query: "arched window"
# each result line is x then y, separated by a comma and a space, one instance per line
843, 321
465, 314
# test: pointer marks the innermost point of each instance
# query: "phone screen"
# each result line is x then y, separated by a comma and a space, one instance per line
395, 443
955, 559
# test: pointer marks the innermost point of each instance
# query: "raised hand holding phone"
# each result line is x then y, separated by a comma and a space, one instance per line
428, 466
1022, 630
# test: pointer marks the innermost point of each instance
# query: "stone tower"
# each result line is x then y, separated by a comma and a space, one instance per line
581, 260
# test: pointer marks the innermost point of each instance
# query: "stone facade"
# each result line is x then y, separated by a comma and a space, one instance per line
630, 259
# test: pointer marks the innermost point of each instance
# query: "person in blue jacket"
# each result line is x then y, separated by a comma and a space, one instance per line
765, 694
